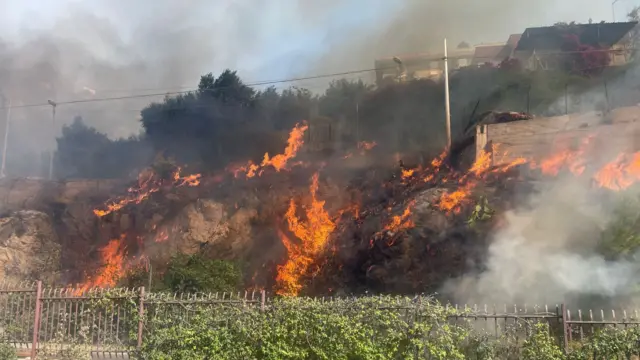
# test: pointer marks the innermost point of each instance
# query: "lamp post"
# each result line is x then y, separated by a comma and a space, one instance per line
53, 134
447, 106
613, 10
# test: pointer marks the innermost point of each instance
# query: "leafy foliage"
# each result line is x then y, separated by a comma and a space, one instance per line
195, 273
83, 152
621, 237
540, 345
7, 352
298, 328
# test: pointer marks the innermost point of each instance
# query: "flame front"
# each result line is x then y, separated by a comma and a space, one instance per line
619, 174
312, 235
113, 260
147, 185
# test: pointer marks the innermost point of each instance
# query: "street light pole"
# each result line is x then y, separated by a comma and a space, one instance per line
613, 10
53, 133
402, 70
6, 140
447, 106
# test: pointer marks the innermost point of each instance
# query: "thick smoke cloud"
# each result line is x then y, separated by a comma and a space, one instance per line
547, 253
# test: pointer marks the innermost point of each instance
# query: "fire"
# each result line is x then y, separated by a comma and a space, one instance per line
162, 236
366, 146
574, 160
451, 202
312, 235
407, 173
113, 258
278, 162
483, 161
148, 183
619, 174
401, 222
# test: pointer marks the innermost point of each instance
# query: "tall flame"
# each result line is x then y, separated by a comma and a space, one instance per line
113, 259
312, 235
279, 161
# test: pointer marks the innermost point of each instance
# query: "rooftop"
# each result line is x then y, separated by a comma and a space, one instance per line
552, 37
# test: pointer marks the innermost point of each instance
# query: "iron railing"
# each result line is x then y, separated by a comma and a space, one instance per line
107, 322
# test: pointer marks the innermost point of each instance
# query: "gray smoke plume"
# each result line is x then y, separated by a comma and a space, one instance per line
548, 254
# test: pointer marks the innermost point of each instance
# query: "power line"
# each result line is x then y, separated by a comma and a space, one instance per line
124, 97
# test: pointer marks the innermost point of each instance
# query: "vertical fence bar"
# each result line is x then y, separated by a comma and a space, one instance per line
140, 318
36, 321
566, 329
262, 300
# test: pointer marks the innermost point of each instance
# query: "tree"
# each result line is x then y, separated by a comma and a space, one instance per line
79, 150
84, 152
583, 59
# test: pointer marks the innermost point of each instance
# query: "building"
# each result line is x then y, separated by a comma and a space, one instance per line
494, 54
421, 66
540, 47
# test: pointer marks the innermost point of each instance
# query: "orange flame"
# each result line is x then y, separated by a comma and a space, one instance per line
313, 236
365, 145
113, 258
162, 236
619, 174
278, 162
147, 185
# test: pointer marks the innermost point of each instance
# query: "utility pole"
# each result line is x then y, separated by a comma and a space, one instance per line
447, 106
53, 135
6, 139
613, 10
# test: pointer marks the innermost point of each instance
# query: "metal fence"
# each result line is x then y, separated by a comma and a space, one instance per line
107, 322
36, 319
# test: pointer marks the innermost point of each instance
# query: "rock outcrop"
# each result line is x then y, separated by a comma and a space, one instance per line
29, 247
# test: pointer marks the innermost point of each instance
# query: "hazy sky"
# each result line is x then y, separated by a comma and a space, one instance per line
282, 31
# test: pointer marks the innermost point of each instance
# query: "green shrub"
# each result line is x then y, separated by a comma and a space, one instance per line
7, 352
195, 273
609, 343
299, 328
541, 345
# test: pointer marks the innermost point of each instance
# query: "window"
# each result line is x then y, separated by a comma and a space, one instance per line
463, 62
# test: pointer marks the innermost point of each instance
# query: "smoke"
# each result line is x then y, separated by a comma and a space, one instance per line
414, 26
547, 253
82, 51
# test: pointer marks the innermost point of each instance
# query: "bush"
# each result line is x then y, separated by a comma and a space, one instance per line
195, 273
7, 352
298, 328
540, 345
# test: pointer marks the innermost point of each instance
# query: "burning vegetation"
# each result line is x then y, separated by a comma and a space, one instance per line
319, 206
344, 245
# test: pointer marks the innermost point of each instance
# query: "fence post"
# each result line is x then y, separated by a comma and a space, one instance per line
263, 299
36, 321
565, 329
140, 317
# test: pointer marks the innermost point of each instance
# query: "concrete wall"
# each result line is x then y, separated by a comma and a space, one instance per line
534, 139
24, 192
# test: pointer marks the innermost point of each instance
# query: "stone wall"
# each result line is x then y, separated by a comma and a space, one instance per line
534, 139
